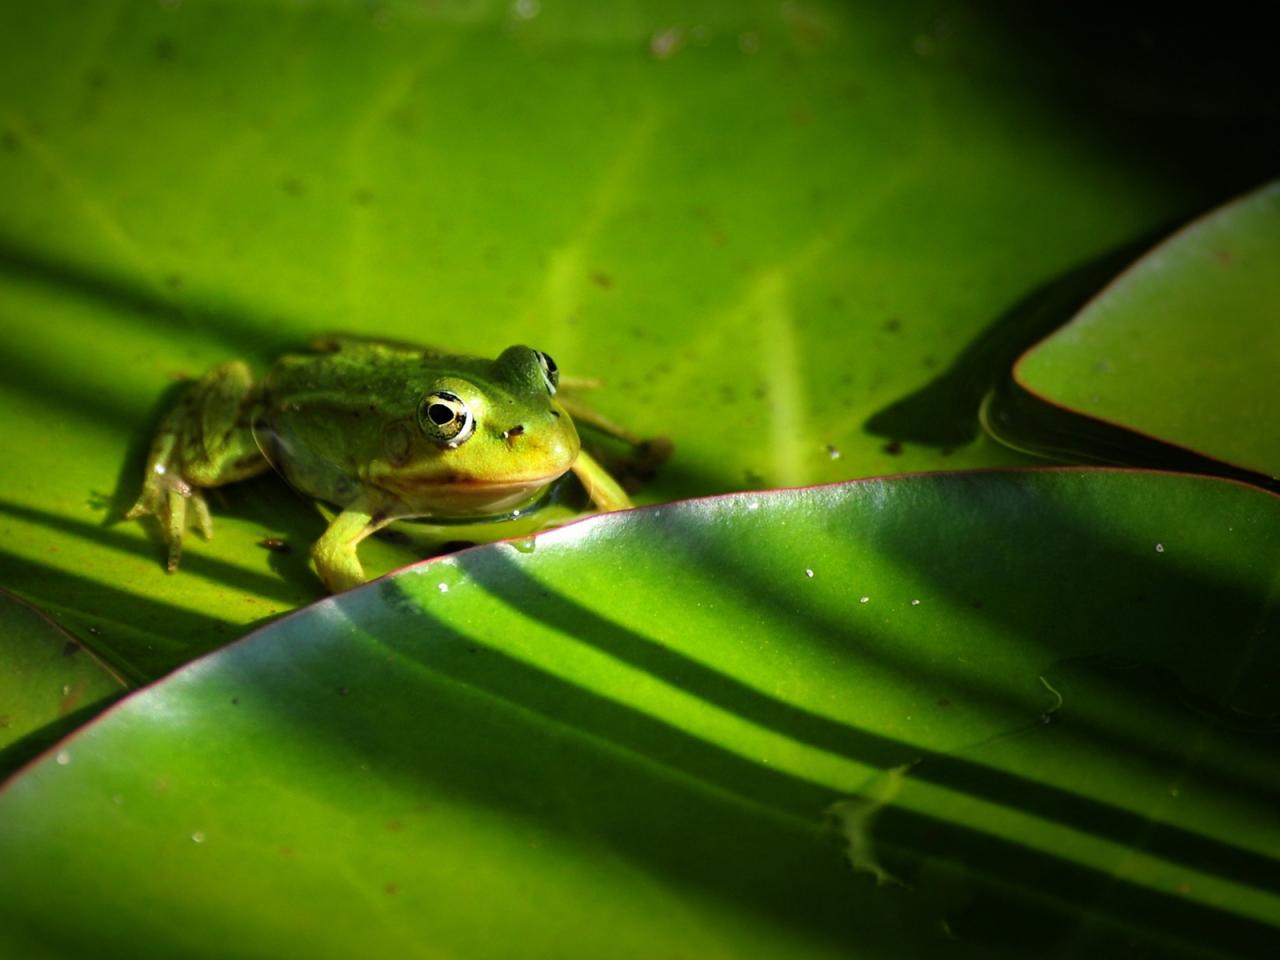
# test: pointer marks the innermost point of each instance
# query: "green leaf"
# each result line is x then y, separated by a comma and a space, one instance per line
1184, 346
765, 226
1039, 707
47, 677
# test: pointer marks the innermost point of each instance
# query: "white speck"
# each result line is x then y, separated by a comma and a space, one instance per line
159, 468
864, 600
664, 44
197, 837
442, 587
66, 689
808, 573
833, 452
63, 758
1159, 548
915, 603
525, 9
753, 505
748, 42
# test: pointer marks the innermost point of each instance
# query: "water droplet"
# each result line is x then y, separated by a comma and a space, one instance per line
1159, 548
808, 573
527, 545
63, 758
833, 452
864, 600
66, 689
160, 469
197, 837
915, 603
442, 587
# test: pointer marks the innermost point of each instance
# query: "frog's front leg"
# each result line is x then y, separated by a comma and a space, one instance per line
205, 440
604, 491
334, 554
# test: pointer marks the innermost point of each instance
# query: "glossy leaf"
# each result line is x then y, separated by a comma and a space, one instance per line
1185, 346
1039, 707
47, 676
763, 224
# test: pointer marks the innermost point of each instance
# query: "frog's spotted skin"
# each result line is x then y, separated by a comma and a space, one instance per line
382, 431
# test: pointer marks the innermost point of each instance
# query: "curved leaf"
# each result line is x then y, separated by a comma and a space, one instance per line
762, 224
1043, 702
47, 675
1184, 346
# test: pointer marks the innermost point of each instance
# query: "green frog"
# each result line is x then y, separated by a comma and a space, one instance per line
382, 431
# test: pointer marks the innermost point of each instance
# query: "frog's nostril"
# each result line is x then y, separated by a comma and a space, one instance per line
509, 435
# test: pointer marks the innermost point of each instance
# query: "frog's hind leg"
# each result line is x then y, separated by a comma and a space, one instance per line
205, 440
585, 415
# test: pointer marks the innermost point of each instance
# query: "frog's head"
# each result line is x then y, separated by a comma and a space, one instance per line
486, 440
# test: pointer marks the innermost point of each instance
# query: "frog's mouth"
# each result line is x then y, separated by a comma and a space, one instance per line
467, 497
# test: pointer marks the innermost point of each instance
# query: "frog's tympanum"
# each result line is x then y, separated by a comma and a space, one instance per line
380, 431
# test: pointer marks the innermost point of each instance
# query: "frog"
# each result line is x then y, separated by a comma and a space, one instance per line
379, 431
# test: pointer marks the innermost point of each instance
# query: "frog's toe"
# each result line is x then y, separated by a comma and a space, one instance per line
144, 506
175, 555
200, 518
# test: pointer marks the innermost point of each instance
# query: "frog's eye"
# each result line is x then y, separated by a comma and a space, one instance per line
445, 418
550, 372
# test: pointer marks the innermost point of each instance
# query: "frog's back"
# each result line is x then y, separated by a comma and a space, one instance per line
325, 416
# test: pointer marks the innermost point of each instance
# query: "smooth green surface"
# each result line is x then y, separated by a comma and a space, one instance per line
47, 674
1185, 345
1037, 701
762, 224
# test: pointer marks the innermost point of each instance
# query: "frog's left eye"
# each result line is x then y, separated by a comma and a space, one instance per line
446, 418
550, 372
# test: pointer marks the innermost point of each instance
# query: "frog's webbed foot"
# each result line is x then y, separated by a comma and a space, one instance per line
169, 503
203, 441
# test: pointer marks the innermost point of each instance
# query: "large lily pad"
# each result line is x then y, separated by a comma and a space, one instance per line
762, 223
1185, 345
1039, 708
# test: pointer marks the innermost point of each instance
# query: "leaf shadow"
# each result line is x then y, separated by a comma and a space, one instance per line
629, 806
944, 412
508, 582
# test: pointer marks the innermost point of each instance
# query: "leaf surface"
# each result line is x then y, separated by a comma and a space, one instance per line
1040, 707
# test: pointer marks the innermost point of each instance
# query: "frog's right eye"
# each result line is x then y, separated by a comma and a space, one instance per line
445, 418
